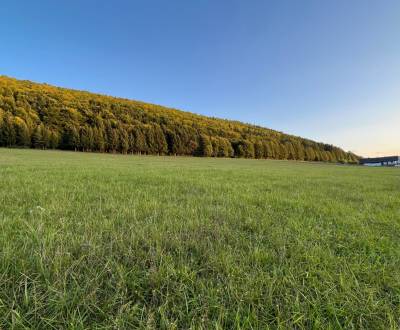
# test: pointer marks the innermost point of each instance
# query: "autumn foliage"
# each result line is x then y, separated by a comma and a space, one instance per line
45, 117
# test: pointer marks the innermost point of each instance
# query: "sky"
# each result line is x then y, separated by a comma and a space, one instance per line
324, 70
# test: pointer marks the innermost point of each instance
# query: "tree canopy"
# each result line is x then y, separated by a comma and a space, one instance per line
42, 116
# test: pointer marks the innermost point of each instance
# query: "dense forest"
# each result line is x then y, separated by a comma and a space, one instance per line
45, 117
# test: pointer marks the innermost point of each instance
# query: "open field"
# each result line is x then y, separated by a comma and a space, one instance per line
118, 242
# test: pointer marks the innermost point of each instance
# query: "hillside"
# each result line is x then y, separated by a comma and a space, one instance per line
41, 116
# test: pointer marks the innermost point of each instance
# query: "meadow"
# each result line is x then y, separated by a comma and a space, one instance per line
103, 241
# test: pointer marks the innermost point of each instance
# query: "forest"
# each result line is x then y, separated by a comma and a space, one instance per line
41, 116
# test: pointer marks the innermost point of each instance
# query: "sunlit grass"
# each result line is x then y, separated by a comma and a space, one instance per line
119, 242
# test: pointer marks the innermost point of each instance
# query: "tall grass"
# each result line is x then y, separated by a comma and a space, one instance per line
120, 242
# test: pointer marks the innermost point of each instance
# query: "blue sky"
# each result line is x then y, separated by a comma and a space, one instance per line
326, 70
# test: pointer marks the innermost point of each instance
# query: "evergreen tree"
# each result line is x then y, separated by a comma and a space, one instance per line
37, 137
108, 135
205, 146
23, 137
269, 150
54, 140
86, 138
8, 134
290, 150
160, 140
244, 149
258, 150
225, 148
71, 138
248, 149
229, 149
310, 154
131, 139
124, 141
283, 151
140, 141
317, 156
2, 133
173, 142
114, 140
214, 146
45, 137
98, 139
300, 151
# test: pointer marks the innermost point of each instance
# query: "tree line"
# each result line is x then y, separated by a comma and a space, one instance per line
46, 117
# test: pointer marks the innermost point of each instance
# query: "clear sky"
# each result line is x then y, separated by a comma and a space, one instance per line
325, 70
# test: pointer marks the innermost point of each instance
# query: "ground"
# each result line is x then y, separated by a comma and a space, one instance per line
105, 241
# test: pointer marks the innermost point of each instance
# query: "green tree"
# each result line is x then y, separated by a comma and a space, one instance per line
8, 134
290, 150
205, 146
283, 151
161, 146
140, 141
37, 137
225, 148
215, 146
258, 150
71, 138
300, 152
271, 149
310, 154
244, 149
86, 138
124, 141
173, 142
54, 140
98, 139
45, 136
23, 137
114, 140
131, 139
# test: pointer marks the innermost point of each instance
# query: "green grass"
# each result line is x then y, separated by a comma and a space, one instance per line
120, 242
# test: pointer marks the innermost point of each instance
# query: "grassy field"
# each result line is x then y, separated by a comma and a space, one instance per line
120, 242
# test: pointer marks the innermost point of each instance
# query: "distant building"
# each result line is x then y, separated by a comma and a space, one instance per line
381, 161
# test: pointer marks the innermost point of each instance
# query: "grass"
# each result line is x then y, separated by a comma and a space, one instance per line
92, 241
